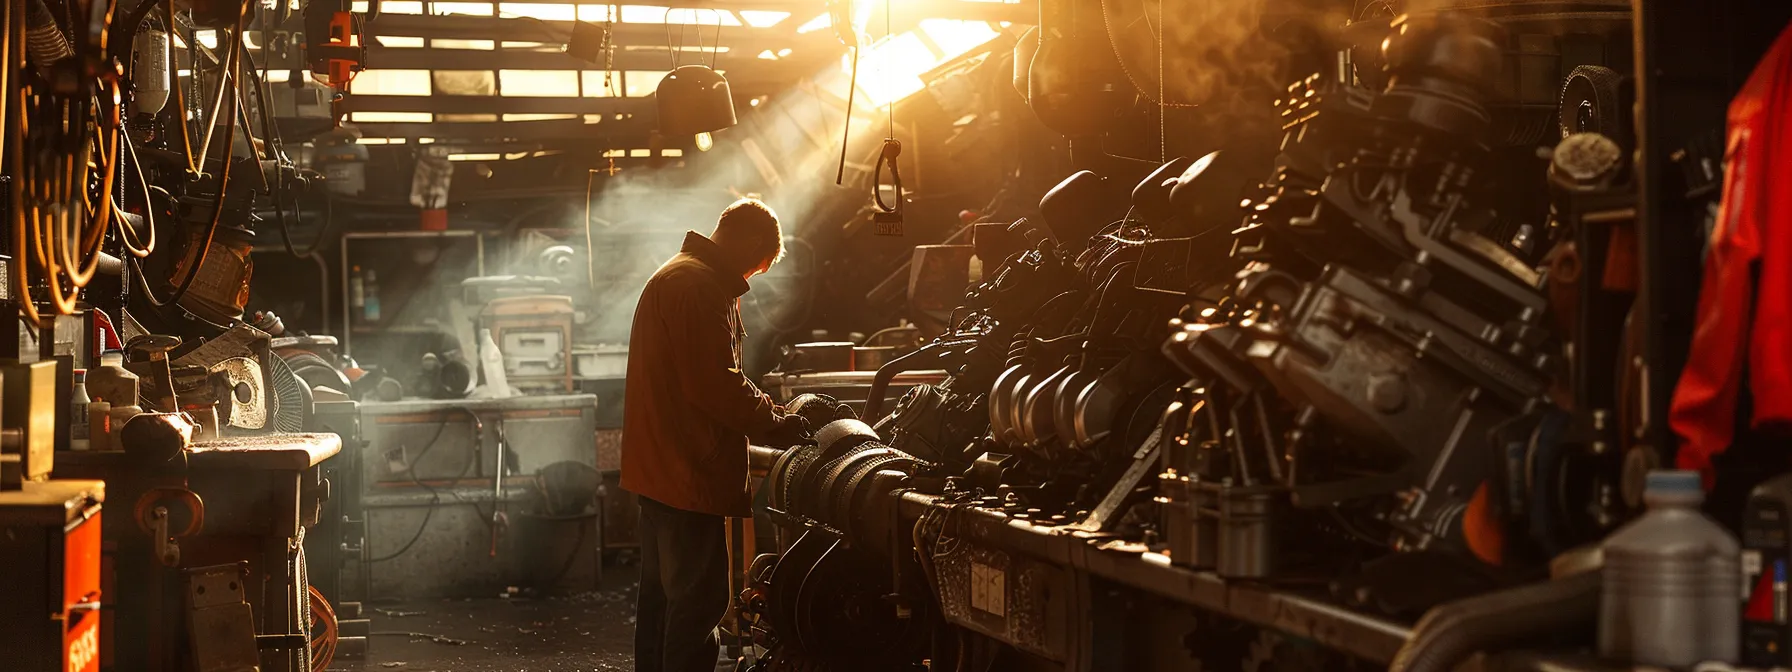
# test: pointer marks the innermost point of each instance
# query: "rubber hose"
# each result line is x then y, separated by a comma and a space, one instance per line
928, 354
1450, 633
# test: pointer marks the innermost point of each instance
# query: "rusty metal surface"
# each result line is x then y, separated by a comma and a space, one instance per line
45, 503
1306, 617
220, 619
609, 449
1013, 598
278, 452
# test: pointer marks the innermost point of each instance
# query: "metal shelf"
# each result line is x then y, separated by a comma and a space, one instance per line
349, 326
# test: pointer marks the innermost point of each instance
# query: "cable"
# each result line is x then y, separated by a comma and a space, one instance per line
230, 76
435, 497
439, 639
59, 226
271, 136
126, 234
852, 90
1163, 140
571, 556
890, 105
180, 96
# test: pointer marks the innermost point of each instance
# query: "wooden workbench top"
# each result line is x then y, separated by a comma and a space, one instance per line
288, 452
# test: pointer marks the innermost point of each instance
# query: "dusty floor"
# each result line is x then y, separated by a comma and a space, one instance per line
588, 632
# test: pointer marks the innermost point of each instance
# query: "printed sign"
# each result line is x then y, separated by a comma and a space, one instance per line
988, 589
83, 653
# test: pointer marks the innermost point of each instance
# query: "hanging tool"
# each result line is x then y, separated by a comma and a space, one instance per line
887, 220
343, 56
840, 13
499, 520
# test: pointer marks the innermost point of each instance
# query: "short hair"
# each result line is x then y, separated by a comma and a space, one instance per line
750, 223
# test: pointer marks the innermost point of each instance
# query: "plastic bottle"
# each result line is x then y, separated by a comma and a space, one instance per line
99, 426
111, 382
492, 363
357, 290
77, 416
1766, 554
1673, 582
372, 307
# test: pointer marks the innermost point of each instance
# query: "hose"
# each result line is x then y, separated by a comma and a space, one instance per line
931, 353
229, 77
1450, 633
435, 498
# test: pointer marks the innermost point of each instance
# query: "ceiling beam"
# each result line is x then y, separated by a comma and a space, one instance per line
1025, 11
460, 132
464, 27
733, 62
445, 104
906, 12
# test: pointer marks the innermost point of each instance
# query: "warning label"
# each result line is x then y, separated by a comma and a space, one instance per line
988, 589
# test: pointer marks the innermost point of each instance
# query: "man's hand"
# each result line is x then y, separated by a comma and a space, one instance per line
791, 430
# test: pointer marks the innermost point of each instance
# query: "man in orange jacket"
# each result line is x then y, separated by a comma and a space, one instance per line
688, 412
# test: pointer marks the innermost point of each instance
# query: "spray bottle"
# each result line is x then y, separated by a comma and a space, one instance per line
491, 361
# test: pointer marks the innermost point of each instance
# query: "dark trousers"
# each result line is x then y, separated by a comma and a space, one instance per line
684, 589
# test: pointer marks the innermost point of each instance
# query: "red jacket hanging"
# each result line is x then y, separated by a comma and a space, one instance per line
1745, 303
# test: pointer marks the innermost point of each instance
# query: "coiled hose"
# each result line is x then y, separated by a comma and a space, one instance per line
1450, 633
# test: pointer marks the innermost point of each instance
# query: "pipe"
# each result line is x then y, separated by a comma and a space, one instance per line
880, 383
1451, 633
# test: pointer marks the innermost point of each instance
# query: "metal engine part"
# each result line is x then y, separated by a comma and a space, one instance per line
1363, 381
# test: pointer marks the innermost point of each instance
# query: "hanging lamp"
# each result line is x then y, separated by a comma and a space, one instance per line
694, 99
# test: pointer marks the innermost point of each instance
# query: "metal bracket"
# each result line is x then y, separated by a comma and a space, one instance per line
220, 623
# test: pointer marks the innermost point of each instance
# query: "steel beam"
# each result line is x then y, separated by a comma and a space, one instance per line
443, 104
406, 58
463, 27
1024, 11
495, 131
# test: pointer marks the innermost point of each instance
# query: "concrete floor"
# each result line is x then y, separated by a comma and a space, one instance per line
587, 632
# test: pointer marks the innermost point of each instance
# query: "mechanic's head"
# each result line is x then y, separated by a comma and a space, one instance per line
748, 232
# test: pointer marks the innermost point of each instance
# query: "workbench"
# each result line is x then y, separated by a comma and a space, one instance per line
255, 494
450, 496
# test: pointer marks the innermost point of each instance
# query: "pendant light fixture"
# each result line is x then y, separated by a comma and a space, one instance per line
694, 99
